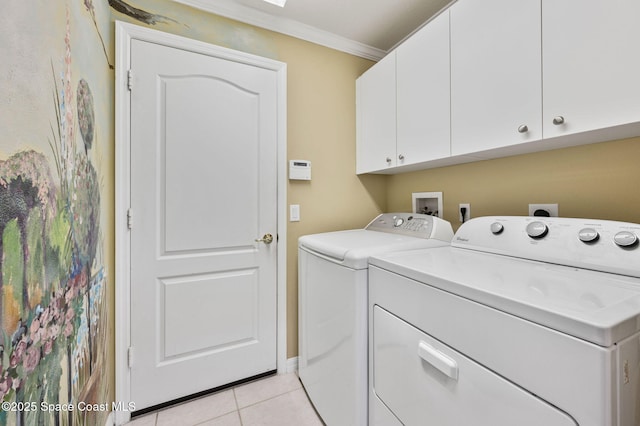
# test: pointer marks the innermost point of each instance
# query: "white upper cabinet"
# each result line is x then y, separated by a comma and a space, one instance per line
490, 78
376, 117
423, 98
496, 82
403, 103
591, 64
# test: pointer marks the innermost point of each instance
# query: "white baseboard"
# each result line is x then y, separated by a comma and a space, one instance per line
292, 365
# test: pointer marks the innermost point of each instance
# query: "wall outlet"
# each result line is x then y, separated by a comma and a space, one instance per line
467, 213
544, 210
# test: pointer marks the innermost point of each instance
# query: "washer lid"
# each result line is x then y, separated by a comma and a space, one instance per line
599, 307
353, 248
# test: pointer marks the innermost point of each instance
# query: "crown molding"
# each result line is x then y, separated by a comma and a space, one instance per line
290, 27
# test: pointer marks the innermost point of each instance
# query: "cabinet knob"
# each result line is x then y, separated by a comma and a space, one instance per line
388, 160
400, 157
558, 120
523, 128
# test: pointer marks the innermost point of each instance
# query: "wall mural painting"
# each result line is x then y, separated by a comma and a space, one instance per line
138, 14
53, 334
126, 9
54, 322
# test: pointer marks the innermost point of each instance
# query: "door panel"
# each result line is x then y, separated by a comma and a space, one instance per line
590, 64
496, 82
376, 119
424, 94
179, 294
223, 109
203, 189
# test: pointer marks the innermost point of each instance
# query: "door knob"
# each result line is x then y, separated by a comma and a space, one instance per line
267, 239
523, 128
558, 120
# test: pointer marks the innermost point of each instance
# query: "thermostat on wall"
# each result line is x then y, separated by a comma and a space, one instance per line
299, 170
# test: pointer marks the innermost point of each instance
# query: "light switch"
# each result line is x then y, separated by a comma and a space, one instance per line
294, 212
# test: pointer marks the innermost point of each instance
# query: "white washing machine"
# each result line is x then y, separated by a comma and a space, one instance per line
332, 309
521, 321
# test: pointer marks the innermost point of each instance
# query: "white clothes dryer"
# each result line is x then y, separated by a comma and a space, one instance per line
520, 321
332, 309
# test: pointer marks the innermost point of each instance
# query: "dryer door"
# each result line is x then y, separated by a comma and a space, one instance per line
423, 381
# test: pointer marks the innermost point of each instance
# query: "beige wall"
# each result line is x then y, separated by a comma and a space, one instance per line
597, 181
321, 103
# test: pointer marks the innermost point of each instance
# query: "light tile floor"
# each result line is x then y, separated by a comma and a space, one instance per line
273, 401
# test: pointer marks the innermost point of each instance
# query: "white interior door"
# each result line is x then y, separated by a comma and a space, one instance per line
203, 189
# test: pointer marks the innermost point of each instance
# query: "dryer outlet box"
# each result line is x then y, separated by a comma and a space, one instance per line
544, 210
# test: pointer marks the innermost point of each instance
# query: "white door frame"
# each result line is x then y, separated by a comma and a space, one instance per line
124, 34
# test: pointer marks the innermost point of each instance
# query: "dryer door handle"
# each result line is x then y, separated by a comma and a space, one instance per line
438, 360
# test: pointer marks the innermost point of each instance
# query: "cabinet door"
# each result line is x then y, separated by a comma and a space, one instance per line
376, 116
591, 64
423, 84
495, 74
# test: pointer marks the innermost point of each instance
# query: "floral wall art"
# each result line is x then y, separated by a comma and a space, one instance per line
54, 319
56, 209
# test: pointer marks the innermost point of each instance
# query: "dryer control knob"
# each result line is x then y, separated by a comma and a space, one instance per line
625, 239
537, 230
496, 228
588, 235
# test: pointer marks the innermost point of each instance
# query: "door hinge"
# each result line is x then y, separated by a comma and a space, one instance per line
130, 79
130, 219
130, 356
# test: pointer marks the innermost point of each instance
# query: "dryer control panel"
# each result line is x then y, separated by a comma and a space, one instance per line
412, 224
600, 245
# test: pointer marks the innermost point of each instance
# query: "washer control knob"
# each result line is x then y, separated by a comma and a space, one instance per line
588, 235
496, 228
625, 239
537, 230
398, 221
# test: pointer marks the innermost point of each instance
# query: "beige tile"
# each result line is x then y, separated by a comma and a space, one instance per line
290, 409
199, 410
146, 420
264, 389
231, 419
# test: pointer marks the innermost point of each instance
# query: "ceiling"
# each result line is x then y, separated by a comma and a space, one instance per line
367, 28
